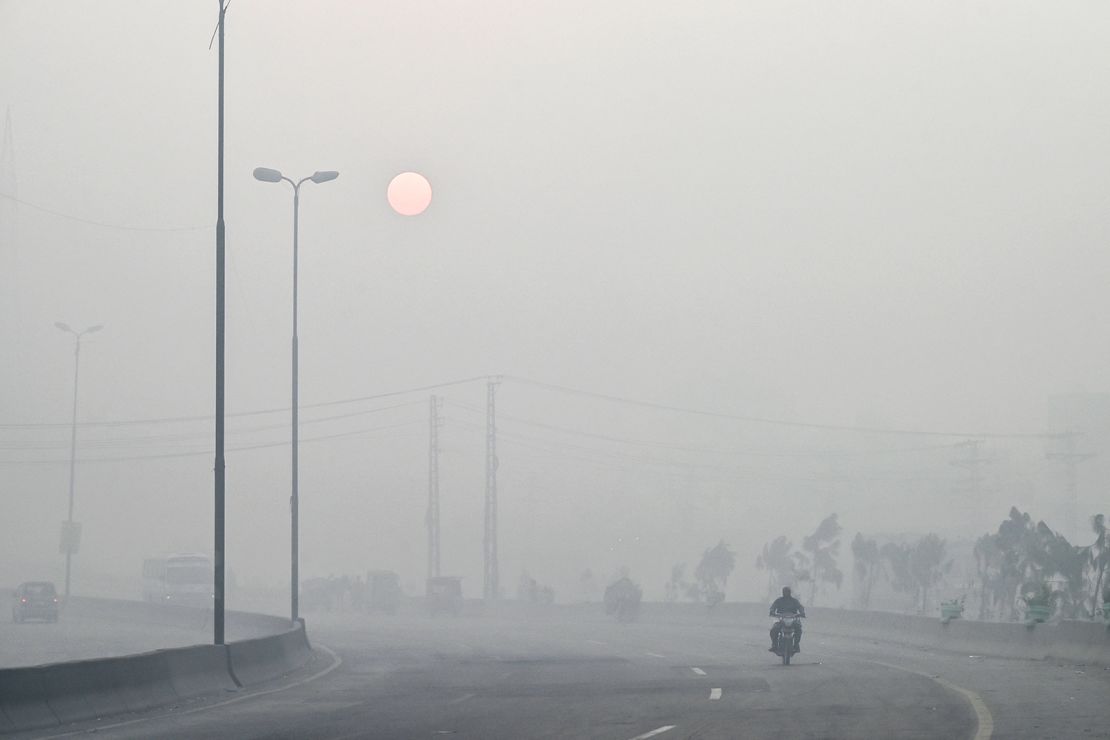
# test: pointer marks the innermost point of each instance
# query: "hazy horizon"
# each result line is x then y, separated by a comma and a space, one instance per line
856, 215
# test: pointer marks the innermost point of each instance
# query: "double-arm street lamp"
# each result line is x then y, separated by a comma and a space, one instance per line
69, 535
265, 174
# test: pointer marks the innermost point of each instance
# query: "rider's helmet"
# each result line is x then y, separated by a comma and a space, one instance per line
786, 591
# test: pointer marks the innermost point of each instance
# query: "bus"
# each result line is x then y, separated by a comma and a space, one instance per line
184, 579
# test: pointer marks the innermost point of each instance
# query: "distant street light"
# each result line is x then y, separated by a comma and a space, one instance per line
69, 532
265, 174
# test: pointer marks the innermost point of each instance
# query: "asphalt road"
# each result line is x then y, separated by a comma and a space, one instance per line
548, 677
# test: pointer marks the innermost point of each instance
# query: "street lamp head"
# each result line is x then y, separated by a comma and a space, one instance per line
326, 175
63, 326
265, 174
93, 329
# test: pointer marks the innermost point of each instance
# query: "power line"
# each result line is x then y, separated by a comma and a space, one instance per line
107, 442
259, 412
101, 224
716, 450
775, 422
244, 448
671, 469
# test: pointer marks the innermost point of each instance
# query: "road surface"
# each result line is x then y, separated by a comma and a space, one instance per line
553, 677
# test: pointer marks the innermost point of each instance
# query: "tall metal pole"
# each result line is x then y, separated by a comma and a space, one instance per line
218, 585
491, 588
433, 487
72, 457
265, 174
294, 503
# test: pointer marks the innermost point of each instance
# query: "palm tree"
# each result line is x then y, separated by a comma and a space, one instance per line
1099, 557
865, 556
777, 561
897, 558
988, 563
927, 565
717, 564
823, 547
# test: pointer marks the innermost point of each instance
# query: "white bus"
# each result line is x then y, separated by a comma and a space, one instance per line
184, 578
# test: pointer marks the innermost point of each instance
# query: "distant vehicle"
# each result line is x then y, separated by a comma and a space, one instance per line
622, 600
320, 594
184, 579
383, 591
445, 595
35, 600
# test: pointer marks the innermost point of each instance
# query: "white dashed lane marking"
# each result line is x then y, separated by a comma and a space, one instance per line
714, 694
655, 655
698, 671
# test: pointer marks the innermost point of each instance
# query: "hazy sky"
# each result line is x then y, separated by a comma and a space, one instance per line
856, 213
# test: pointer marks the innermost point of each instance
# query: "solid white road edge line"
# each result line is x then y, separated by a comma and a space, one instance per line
983, 715
336, 662
653, 733
714, 694
698, 671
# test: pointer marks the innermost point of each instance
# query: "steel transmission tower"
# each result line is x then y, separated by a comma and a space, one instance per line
433, 487
490, 540
10, 290
972, 460
1070, 459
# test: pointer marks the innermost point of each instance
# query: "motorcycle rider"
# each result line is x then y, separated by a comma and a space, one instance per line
787, 603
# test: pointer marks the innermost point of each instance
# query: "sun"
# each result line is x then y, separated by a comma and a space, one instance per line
409, 193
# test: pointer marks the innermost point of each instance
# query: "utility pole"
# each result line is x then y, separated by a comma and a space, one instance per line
71, 531
218, 467
1070, 458
490, 540
11, 324
433, 487
972, 460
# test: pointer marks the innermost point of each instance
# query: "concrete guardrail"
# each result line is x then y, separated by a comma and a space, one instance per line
38, 697
1075, 641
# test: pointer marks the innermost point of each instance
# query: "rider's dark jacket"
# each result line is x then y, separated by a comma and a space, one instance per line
787, 604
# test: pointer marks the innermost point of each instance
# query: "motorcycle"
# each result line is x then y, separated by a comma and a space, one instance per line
788, 624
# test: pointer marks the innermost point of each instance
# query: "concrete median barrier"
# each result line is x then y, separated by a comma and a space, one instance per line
44, 696
1086, 642
23, 703
265, 658
1075, 641
199, 670
39, 697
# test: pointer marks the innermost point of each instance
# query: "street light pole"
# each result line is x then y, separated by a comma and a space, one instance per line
67, 537
265, 174
219, 603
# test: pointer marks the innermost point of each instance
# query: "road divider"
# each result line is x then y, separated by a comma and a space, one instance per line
264, 658
39, 697
1073, 641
